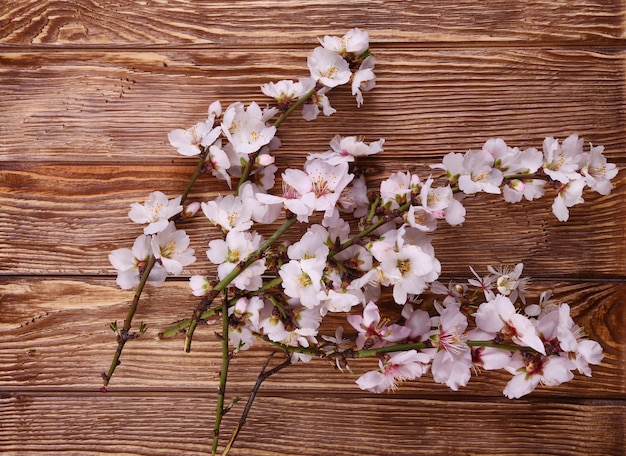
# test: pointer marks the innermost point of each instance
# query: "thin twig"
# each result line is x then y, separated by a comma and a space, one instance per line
124, 335
264, 375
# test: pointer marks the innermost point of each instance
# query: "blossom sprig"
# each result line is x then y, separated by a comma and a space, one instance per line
526, 173
360, 246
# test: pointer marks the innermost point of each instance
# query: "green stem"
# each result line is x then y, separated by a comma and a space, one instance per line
195, 175
421, 345
221, 286
368, 353
184, 324
303, 99
221, 393
380, 222
124, 334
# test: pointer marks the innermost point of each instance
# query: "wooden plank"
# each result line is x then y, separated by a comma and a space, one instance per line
184, 22
82, 106
77, 214
165, 424
54, 334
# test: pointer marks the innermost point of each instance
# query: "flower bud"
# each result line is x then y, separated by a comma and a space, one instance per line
191, 209
265, 159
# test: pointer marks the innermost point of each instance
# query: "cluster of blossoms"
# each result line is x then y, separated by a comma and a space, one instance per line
563, 166
280, 292
543, 346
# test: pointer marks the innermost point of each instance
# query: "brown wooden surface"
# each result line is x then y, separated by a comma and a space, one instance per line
89, 90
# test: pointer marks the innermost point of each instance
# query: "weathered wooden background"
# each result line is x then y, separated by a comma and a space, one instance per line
89, 90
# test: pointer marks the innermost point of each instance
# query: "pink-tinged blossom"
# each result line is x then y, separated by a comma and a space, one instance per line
597, 172
408, 267
302, 279
228, 253
171, 247
218, 163
130, 264
509, 282
562, 161
347, 149
353, 198
354, 42
567, 196
374, 332
328, 68
191, 141
229, 212
191, 209
440, 203
560, 332
452, 164
478, 173
530, 370
516, 189
260, 212
453, 292
199, 285
499, 316
397, 188
287, 91
318, 101
246, 128
244, 319
452, 358
488, 358
317, 188
418, 321
364, 79
398, 368
485, 284
301, 205
311, 245
156, 211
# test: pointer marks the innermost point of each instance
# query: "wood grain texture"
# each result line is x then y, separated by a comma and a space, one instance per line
88, 92
54, 334
70, 210
306, 425
83, 106
245, 23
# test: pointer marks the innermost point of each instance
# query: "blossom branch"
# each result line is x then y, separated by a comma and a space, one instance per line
124, 335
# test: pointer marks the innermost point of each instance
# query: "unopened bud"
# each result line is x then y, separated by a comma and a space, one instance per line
191, 209
265, 159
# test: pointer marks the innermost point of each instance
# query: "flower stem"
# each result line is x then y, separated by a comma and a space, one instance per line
303, 99
421, 345
124, 335
368, 230
195, 175
184, 324
221, 393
